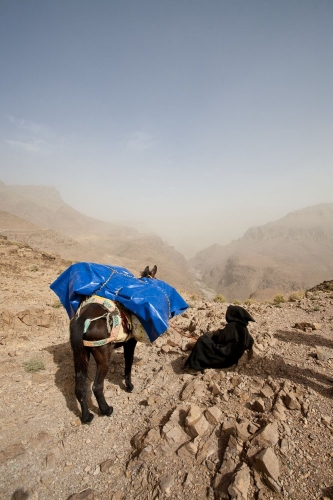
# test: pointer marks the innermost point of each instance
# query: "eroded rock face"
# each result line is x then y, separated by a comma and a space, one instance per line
259, 429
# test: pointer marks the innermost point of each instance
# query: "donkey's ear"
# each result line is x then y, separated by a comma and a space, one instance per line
153, 271
145, 272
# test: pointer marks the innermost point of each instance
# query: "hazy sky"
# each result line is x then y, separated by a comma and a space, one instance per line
202, 118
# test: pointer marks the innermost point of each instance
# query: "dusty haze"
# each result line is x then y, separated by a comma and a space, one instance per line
194, 120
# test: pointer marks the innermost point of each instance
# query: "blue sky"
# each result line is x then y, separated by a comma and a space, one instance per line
199, 119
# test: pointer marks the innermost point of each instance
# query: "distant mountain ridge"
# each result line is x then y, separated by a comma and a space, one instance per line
292, 253
64, 230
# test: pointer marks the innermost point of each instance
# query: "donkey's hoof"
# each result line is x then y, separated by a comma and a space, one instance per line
108, 412
129, 387
88, 419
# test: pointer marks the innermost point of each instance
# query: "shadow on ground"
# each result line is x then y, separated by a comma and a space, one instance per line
296, 337
277, 367
65, 379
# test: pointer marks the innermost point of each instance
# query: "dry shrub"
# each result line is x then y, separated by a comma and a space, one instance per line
295, 296
278, 299
249, 302
33, 365
219, 299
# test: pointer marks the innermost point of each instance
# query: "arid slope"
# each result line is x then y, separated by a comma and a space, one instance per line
262, 429
76, 236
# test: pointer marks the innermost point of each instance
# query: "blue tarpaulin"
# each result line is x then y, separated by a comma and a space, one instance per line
153, 301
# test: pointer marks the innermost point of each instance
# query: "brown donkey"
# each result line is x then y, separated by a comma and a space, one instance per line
98, 332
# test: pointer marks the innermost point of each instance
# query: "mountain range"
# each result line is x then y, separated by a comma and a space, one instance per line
292, 253
45, 222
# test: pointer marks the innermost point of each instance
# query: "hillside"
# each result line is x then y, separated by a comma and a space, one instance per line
61, 229
262, 429
23, 231
295, 252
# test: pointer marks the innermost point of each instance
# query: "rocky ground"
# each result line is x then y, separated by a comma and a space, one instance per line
260, 430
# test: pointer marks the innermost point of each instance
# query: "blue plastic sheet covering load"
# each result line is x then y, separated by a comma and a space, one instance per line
153, 301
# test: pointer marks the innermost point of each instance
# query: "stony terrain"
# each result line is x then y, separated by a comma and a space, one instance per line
260, 430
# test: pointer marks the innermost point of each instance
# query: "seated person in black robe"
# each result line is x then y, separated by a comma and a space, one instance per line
225, 347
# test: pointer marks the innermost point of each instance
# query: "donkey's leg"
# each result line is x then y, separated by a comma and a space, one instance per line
102, 358
129, 348
81, 389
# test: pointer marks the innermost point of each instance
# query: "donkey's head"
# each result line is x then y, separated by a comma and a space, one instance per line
147, 273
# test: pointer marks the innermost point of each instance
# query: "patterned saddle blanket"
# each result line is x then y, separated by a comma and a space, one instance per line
121, 324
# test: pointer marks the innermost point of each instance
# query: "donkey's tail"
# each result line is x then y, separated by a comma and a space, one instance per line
79, 351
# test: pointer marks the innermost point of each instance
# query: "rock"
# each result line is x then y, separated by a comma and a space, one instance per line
273, 485
258, 405
253, 428
326, 419
228, 427
267, 436
284, 446
194, 414
175, 340
215, 388
304, 325
234, 448
266, 391
166, 484
207, 449
107, 465
242, 430
187, 451
199, 428
50, 461
324, 354
188, 389
224, 477
267, 462
192, 326
146, 453
291, 402
87, 494
152, 437
200, 390
213, 415
240, 483
138, 440
12, 451
174, 435
255, 386
236, 381
257, 479
279, 411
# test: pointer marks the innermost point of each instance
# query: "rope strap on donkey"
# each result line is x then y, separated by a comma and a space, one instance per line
112, 316
113, 332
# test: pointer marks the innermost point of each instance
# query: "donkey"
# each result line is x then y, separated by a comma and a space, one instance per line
98, 331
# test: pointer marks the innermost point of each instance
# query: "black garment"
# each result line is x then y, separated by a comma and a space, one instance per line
226, 346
